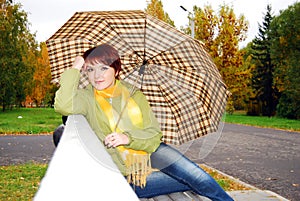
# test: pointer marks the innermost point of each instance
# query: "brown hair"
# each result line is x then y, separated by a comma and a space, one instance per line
105, 54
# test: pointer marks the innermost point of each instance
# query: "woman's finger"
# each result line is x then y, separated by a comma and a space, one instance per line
115, 139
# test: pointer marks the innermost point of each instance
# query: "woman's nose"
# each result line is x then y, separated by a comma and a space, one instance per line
98, 73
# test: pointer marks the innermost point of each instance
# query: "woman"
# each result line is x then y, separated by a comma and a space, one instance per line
122, 118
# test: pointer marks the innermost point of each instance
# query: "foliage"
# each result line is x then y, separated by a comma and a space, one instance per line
206, 23
262, 81
25, 71
288, 106
42, 88
285, 52
16, 44
221, 34
155, 8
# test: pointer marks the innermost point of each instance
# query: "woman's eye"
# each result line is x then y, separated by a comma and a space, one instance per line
104, 68
89, 69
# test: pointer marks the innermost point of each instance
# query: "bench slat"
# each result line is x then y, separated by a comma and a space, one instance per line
157, 198
162, 198
147, 199
196, 197
180, 196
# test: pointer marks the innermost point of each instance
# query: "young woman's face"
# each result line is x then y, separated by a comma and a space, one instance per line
100, 75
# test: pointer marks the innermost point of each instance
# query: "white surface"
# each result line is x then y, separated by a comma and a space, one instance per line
81, 169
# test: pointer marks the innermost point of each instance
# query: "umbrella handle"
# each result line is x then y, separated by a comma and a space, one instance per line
121, 114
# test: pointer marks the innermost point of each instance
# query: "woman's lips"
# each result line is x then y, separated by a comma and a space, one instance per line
99, 81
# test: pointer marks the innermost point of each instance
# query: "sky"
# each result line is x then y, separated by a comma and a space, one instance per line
47, 16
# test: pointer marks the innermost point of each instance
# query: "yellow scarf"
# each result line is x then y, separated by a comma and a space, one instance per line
137, 162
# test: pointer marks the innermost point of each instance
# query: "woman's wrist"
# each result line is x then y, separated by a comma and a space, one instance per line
128, 136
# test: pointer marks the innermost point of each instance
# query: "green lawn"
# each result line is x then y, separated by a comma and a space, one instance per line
240, 117
20, 182
45, 120
29, 121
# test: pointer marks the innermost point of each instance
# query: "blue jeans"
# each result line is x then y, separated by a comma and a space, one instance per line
177, 174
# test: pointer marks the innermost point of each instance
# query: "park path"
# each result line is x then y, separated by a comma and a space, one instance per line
266, 158
19, 149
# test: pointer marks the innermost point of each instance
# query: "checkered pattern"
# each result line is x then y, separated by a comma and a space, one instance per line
181, 82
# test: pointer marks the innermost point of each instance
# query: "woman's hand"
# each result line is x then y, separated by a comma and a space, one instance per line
78, 62
116, 139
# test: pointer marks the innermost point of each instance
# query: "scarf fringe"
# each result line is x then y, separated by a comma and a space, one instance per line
138, 167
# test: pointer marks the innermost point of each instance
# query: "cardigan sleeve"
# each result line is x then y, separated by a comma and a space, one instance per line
149, 138
67, 98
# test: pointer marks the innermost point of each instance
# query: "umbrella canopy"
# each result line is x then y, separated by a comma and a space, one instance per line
178, 77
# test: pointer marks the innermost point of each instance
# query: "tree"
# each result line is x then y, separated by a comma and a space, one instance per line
15, 42
285, 52
221, 34
206, 23
155, 8
41, 86
262, 82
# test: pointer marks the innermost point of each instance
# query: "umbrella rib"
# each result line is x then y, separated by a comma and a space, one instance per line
167, 50
128, 45
135, 69
145, 26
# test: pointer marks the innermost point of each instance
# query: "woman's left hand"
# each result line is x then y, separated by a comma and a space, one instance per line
78, 62
116, 139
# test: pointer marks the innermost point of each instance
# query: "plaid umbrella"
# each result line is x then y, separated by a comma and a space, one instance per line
178, 77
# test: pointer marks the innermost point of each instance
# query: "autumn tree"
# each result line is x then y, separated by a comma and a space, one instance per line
285, 54
262, 81
41, 86
206, 27
155, 8
221, 33
15, 43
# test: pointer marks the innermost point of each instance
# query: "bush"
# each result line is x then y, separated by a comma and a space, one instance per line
288, 107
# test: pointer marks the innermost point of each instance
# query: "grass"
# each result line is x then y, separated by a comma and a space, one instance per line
240, 117
29, 121
45, 120
225, 182
20, 182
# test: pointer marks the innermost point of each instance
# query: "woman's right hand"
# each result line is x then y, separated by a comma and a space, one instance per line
78, 62
116, 139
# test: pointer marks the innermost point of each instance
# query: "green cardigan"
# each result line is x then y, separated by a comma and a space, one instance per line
71, 100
